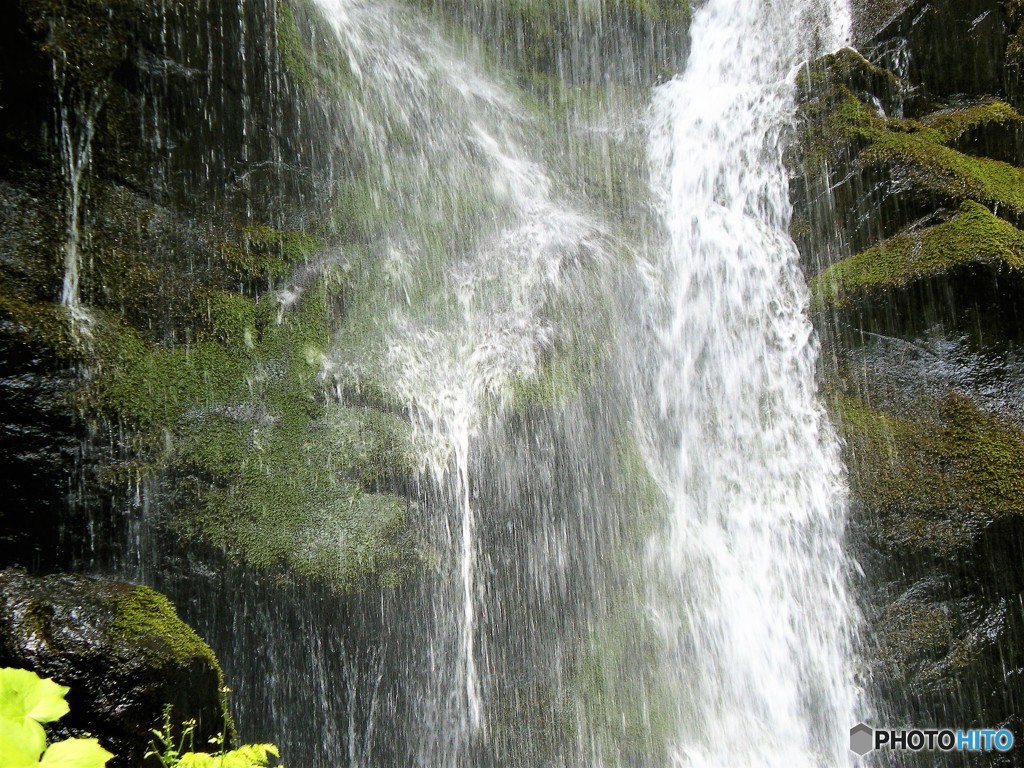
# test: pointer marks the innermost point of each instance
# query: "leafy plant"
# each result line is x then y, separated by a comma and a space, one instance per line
171, 751
26, 702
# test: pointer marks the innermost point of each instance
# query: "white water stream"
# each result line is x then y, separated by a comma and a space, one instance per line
759, 621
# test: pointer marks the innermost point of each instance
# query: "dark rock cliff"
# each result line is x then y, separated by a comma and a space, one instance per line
908, 196
163, 179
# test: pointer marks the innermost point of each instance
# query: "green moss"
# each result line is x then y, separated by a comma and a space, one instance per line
149, 621
237, 321
150, 387
560, 379
265, 252
934, 478
838, 128
276, 474
145, 615
43, 324
626, 702
953, 123
293, 50
973, 237
929, 166
309, 51
847, 68
835, 124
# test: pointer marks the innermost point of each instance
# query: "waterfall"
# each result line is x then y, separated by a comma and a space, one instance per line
629, 508
478, 249
755, 607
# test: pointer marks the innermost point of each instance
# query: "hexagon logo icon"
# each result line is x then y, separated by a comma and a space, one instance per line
862, 739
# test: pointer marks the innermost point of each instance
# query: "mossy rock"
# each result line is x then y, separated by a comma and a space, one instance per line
848, 68
972, 238
122, 650
880, 172
954, 122
932, 482
266, 466
838, 125
918, 159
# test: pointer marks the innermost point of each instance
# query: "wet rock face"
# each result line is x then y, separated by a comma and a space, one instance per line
198, 201
122, 650
918, 41
909, 215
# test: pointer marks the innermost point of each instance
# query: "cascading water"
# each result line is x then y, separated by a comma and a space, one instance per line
755, 609
536, 632
465, 317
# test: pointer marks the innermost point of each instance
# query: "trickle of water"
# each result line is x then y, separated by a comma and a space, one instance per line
77, 124
755, 607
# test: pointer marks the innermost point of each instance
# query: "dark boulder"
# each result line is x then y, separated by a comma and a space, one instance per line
122, 650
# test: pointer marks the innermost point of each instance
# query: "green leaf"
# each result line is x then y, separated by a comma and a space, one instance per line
24, 694
21, 742
246, 756
75, 753
198, 760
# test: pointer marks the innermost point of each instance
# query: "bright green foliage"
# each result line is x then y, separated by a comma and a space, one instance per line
27, 701
246, 756
974, 236
23, 694
75, 753
177, 752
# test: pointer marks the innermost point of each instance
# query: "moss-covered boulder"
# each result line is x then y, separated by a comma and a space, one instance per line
885, 172
122, 650
934, 481
973, 241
